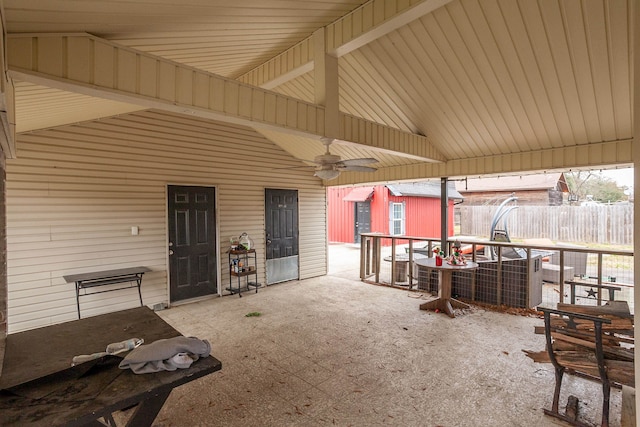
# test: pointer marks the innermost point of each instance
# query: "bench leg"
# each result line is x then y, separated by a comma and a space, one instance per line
78, 298
554, 412
139, 281
606, 386
148, 409
556, 393
606, 393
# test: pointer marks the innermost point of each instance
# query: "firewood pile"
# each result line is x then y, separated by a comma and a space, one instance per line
596, 342
574, 341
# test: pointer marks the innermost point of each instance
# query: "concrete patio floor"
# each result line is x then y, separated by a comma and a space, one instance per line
335, 351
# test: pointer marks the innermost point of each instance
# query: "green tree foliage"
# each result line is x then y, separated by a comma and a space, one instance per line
588, 185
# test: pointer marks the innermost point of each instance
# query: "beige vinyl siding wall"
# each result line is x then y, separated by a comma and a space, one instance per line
74, 193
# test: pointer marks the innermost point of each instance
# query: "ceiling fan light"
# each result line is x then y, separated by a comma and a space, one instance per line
327, 174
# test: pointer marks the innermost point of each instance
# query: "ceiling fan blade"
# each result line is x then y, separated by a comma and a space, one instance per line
356, 168
295, 167
358, 162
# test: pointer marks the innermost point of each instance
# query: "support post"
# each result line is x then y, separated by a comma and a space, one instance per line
444, 217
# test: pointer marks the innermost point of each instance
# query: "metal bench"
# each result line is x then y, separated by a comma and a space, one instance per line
86, 281
591, 293
591, 342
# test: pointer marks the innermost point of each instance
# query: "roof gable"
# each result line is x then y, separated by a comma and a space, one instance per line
546, 181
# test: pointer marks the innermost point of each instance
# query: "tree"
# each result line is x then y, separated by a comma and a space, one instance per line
599, 188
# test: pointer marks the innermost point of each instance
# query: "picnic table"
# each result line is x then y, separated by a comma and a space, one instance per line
38, 386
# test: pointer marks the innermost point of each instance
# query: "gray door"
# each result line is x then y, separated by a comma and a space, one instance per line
363, 219
192, 242
281, 224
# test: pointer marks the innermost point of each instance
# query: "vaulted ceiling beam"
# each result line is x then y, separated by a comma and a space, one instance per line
326, 84
93, 66
365, 24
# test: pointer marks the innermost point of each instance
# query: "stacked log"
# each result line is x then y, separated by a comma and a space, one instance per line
574, 342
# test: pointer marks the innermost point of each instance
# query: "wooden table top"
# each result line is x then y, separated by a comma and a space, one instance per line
39, 388
431, 263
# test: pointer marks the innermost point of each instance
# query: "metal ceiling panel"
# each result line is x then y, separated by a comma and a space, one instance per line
482, 79
224, 37
41, 107
488, 78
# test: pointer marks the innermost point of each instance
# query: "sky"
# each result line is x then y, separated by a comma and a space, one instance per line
624, 177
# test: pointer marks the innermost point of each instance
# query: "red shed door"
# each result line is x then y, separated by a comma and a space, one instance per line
362, 219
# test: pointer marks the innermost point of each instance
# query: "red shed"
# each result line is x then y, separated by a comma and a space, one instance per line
411, 209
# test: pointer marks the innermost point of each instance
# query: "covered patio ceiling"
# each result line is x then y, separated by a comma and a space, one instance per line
429, 88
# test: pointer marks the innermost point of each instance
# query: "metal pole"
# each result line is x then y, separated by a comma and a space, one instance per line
444, 217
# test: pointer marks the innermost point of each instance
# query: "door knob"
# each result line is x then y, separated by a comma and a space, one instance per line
170, 252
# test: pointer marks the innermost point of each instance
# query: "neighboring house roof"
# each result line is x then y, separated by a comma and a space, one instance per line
423, 189
545, 181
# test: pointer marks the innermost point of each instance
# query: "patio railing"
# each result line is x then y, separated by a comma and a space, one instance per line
513, 274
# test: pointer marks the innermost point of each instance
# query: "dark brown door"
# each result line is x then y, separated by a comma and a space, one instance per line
192, 242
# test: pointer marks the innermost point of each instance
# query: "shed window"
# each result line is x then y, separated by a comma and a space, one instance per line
396, 219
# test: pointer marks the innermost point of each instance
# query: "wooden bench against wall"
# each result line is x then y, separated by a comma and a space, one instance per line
594, 342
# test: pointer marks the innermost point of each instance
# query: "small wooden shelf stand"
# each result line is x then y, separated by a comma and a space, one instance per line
242, 267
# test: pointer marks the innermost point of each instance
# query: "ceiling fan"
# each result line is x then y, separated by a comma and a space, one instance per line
330, 165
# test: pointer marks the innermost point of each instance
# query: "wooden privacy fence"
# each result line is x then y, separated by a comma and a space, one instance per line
605, 224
